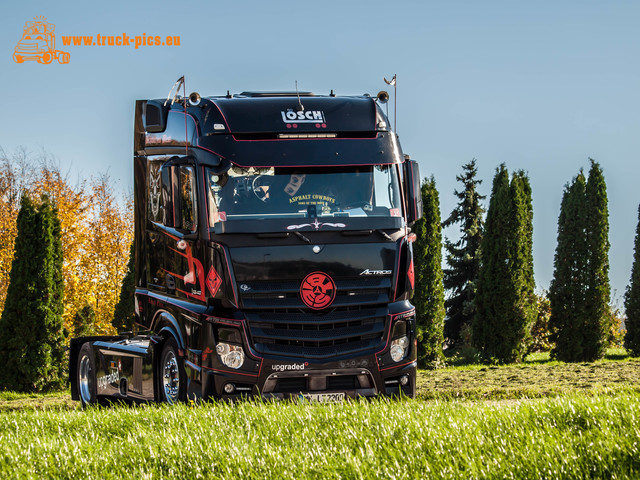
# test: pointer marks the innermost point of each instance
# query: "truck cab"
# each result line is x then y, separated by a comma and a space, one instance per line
273, 254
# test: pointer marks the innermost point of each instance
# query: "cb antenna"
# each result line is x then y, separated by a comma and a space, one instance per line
392, 82
300, 106
176, 87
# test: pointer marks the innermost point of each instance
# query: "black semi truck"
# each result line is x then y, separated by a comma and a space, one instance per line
273, 254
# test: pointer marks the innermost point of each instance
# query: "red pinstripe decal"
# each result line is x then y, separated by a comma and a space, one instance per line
397, 366
223, 117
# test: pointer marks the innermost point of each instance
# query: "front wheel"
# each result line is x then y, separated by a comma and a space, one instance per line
86, 376
173, 379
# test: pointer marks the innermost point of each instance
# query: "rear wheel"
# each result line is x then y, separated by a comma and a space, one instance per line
46, 58
173, 379
86, 376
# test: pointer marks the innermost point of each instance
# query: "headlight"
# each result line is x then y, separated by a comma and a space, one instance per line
231, 356
399, 348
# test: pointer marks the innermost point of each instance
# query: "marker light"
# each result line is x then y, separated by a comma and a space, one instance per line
231, 356
399, 348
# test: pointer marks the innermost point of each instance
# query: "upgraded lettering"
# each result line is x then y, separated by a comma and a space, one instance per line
106, 380
282, 368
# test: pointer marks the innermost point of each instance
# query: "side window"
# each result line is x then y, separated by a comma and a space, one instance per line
188, 198
167, 197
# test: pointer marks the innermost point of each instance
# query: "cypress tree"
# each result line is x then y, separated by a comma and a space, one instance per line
580, 290
32, 340
598, 291
521, 251
493, 293
124, 314
505, 301
632, 300
567, 290
463, 256
429, 293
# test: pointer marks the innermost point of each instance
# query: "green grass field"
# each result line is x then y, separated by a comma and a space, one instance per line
570, 437
540, 419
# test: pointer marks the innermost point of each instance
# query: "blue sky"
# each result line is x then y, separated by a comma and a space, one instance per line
540, 86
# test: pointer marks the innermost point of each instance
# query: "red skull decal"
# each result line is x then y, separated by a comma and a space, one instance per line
318, 290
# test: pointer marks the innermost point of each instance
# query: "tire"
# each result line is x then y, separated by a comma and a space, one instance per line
46, 58
86, 376
18, 58
171, 373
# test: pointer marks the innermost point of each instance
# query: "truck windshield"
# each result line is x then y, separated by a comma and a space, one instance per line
264, 193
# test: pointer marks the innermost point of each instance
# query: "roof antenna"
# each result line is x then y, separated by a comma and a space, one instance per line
300, 107
395, 99
176, 87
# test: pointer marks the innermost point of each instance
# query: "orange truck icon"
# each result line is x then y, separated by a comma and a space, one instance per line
39, 43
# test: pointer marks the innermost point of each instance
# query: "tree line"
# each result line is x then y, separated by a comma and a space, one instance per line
63, 255
64, 268
490, 310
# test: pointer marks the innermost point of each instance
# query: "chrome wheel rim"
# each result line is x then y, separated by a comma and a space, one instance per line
85, 379
170, 377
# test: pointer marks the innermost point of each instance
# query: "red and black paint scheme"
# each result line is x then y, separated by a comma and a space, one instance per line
273, 254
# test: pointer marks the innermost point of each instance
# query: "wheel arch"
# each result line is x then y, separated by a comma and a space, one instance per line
166, 325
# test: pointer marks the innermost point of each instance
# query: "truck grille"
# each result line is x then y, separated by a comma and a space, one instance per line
281, 324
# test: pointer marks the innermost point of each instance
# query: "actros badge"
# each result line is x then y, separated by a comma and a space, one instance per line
318, 290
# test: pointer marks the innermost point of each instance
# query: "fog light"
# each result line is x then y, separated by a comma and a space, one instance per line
231, 356
229, 388
399, 348
404, 379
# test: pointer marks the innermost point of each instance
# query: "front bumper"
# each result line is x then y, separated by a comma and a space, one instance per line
274, 381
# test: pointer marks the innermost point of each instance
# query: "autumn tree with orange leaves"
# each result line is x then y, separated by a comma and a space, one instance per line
96, 227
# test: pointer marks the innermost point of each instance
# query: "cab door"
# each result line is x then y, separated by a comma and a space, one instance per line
184, 262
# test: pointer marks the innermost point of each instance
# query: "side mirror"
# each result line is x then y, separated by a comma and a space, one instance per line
155, 116
413, 194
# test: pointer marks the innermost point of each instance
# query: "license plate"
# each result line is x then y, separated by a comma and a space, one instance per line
323, 397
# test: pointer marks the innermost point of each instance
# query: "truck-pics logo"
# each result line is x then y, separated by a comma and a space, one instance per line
293, 366
310, 116
318, 290
38, 43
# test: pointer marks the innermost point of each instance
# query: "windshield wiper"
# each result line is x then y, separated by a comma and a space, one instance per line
348, 233
302, 237
385, 235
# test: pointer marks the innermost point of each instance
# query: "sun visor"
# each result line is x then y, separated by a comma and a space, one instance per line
251, 115
379, 150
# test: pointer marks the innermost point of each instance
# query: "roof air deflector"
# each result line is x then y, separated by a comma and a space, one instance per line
276, 94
